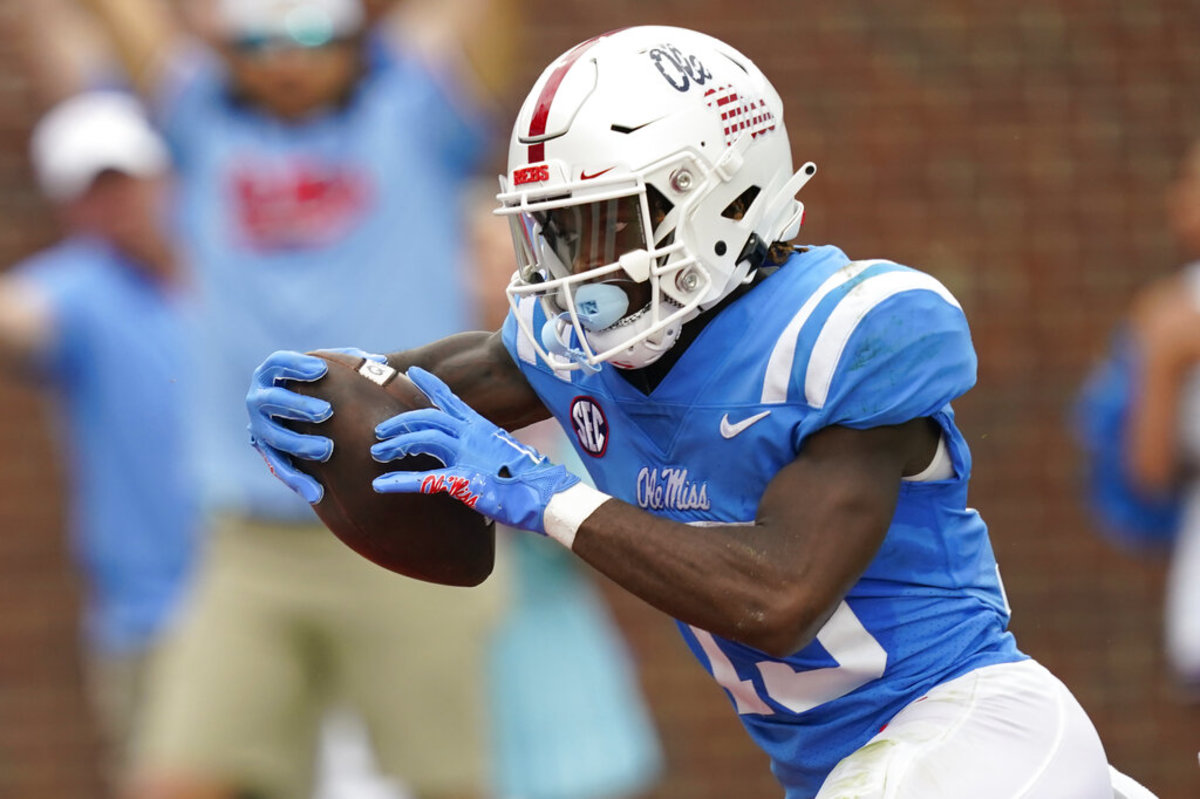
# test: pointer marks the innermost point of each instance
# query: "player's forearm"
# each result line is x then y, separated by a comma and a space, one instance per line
141, 33
479, 370
716, 578
774, 583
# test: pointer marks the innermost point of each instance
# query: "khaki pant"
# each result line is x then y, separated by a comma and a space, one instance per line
116, 687
285, 622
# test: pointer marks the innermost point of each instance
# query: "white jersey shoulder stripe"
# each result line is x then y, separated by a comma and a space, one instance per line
526, 316
783, 356
842, 321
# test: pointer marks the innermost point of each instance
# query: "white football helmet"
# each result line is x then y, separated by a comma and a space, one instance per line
649, 170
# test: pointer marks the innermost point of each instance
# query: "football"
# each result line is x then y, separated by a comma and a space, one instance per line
429, 537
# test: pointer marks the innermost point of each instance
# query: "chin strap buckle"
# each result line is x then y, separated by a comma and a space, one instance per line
554, 344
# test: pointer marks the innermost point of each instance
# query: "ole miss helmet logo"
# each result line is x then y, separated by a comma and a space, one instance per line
531, 174
590, 425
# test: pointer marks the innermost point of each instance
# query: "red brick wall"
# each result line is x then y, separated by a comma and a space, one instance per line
1016, 151
47, 741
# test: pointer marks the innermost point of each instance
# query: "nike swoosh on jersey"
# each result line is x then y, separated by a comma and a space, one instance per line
729, 430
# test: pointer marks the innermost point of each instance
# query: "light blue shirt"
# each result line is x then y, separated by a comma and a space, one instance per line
115, 363
341, 230
822, 341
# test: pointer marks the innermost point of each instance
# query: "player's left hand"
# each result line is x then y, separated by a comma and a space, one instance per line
485, 467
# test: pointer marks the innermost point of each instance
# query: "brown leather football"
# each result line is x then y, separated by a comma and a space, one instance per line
430, 537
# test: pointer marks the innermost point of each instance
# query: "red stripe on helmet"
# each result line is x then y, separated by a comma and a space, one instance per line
541, 112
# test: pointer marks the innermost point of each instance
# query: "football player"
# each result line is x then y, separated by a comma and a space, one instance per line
769, 427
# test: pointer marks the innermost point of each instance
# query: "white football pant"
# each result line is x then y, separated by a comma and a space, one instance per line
1008, 731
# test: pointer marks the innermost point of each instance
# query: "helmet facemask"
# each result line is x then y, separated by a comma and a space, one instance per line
603, 260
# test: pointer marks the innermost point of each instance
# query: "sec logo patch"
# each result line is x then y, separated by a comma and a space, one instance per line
591, 428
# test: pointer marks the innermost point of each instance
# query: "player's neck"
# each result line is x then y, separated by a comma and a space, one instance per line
649, 377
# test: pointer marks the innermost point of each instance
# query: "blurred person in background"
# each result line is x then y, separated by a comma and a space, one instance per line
568, 717
1139, 426
321, 158
96, 319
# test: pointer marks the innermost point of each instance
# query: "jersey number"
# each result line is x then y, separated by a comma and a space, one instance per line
859, 657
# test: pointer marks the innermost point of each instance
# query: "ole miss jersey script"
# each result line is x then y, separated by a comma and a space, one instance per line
822, 341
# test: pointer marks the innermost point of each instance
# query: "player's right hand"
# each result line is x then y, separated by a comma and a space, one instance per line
267, 402
484, 466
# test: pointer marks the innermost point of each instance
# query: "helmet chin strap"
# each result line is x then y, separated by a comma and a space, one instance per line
556, 346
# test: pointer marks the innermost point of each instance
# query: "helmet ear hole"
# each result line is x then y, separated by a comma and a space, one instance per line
660, 206
741, 204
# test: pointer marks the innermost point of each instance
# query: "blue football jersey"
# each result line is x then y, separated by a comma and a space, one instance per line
822, 341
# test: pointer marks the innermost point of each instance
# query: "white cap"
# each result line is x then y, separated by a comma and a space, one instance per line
88, 134
307, 22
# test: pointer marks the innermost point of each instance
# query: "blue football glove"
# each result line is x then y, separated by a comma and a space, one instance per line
266, 402
485, 467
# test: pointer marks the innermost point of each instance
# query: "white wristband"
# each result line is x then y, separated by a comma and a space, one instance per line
567, 510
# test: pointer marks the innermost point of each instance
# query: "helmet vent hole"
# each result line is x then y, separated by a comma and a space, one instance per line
627, 129
720, 248
660, 206
741, 204
737, 63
